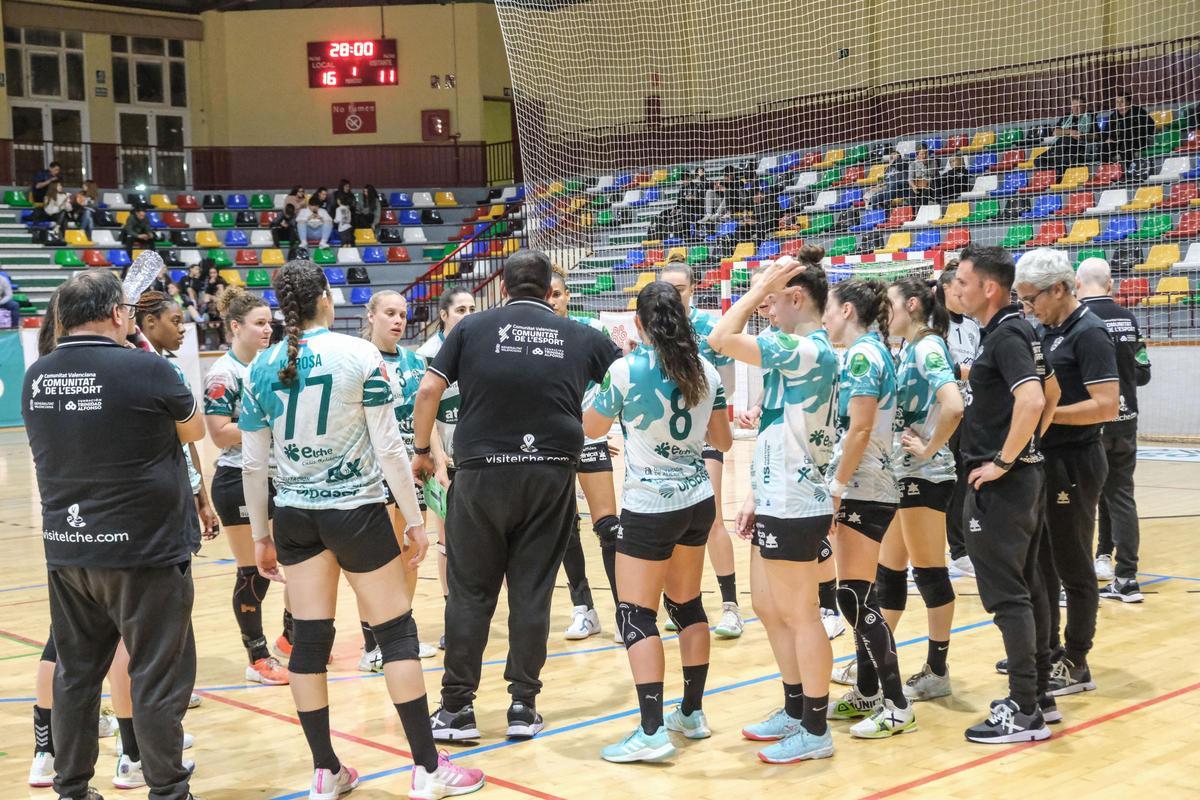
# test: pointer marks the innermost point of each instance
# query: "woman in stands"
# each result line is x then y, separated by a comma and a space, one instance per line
249, 320
930, 407
788, 515
865, 498
321, 404
668, 510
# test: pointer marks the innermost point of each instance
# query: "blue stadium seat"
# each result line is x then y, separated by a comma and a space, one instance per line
786, 162
335, 238
925, 240
237, 202
335, 276
785, 201
1118, 228
768, 249
727, 228
177, 275
849, 198
119, 258
982, 163
418, 292
633, 259
373, 255
360, 296
155, 219
836, 274
1013, 183
410, 217
870, 218
400, 200
1044, 206
622, 181
236, 238
269, 296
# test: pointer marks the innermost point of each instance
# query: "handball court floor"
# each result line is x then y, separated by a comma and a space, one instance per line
1135, 733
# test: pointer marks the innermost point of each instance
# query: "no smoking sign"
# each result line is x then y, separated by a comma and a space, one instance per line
354, 117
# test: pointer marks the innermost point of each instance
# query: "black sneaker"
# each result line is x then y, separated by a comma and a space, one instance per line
92, 794
1006, 724
1002, 666
1066, 678
454, 726
523, 721
1049, 709
1127, 591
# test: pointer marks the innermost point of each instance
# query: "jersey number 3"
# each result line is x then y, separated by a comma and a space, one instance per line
325, 383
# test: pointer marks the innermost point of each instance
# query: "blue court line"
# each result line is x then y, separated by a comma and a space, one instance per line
205, 563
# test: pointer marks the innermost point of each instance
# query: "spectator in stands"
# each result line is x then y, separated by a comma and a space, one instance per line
136, 233
42, 181
716, 209
284, 226
8, 301
894, 185
56, 209
669, 224
372, 208
83, 207
192, 284
214, 284
1130, 129
162, 283
344, 192
762, 215
313, 216
343, 218
921, 171
296, 199
1068, 140
691, 203
953, 181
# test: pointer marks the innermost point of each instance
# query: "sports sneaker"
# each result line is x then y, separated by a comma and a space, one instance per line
41, 771
523, 721
194, 701
640, 746
832, 622
1049, 709
188, 741
283, 648
451, 726
847, 674
1062, 598
426, 651
327, 785
1126, 590
927, 685
731, 625
886, 721
617, 637
854, 705
1007, 724
1002, 666
800, 746
371, 661
92, 794
585, 622
1066, 678
1104, 568
267, 671
775, 727
448, 780
108, 723
129, 774
693, 726
670, 625
962, 566
442, 642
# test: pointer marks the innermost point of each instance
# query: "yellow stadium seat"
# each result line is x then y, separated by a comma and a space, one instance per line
981, 141
955, 213
644, 279
631, 305
207, 239
1033, 154
657, 177
122, 216
1072, 178
897, 242
162, 202
1082, 231
554, 188
1163, 117
1161, 257
576, 204
831, 157
1147, 197
680, 254
364, 236
232, 277
450, 269
1169, 292
874, 176
744, 251
271, 257
511, 246
77, 239
444, 199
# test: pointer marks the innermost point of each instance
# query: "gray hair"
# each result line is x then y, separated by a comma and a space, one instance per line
88, 297
1044, 267
1094, 272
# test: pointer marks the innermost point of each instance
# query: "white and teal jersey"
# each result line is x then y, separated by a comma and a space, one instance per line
664, 470
322, 447
924, 368
796, 430
405, 370
193, 473
223, 398
703, 324
868, 371
589, 393
447, 410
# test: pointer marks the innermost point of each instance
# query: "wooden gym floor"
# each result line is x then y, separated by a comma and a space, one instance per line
1136, 732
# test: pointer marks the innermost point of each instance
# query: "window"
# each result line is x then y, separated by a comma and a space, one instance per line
149, 78
148, 71
45, 64
14, 66
44, 71
120, 80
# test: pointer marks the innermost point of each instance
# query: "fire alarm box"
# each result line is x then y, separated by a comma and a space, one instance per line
435, 125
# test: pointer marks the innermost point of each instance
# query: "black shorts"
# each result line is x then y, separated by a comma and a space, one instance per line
595, 458
869, 518
390, 500
712, 454
361, 539
920, 493
653, 537
826, 551
229, 499
800, 539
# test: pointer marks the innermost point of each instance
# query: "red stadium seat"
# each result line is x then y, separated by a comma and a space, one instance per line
1048, 234
1182, 195
1188, 227
955, 239
1076, 203
851, 176
174, 219
247, 258
899, 216
462, 233
1104, 175
265, 218
1039, 182
1008, 160
388, 217
397, 255
810, 158
95, 258
711, 278
187, 202
791, 247
1132, 290
953, 144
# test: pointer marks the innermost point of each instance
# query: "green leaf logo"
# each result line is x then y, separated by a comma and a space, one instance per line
934, 362
1142, 357
859, 365
787, 341
607, 382
292, 452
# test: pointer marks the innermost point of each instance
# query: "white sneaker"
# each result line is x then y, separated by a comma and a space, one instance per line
108, 724
328, 786
585, 622
448, 780
1062, 598
371, 661
188, 741
962, 566
731, 625
129, 774
426, 651
194, 701
886, 721
1104, 568
927, 685
41, 771
834, 627
847, 674
617, 637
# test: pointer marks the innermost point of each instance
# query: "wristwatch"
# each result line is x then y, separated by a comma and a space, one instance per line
1002, 464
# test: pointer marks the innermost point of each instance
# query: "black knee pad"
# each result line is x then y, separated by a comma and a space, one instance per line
934, 585
607, 529
397, 639
891, 586
312, 642
826, 551
685, 614
50, 652
636, 623
852, 600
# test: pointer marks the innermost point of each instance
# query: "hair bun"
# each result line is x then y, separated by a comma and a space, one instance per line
811, 253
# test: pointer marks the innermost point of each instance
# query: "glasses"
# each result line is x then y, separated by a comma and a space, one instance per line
1031, 299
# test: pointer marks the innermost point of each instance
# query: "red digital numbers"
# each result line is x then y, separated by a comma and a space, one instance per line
387, 77
365, 49
352, 63
329, 78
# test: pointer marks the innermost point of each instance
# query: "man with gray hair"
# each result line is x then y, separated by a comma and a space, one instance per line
1118, 509
1079, 350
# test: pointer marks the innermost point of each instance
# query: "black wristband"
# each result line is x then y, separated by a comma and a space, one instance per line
1002, 464
421, 451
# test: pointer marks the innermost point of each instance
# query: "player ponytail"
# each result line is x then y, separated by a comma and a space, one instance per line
665, 323
870, 302
933, 314
235, 303
812, 280
300, 284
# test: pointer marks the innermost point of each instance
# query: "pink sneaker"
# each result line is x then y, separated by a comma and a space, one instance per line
448, 780
329, 786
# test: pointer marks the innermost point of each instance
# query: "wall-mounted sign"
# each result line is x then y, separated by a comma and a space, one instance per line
358, 62
354, 117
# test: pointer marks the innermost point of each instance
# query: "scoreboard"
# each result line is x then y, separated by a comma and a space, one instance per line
353, 62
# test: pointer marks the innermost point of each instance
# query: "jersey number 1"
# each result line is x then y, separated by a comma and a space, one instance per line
325, 382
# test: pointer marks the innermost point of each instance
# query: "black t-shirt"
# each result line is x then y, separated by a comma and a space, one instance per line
521, 373
101, 424
1081, 353
1009, 354
1133, 362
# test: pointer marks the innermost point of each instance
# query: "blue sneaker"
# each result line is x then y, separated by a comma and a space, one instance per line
800, 746
777, 726
640, 746
693, 726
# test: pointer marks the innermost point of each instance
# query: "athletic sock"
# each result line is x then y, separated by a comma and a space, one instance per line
288, 625
608, 528
248, 592
936, 658
693, 687
129, 742
827, 594
868, 678
650, 700
793, 699
369, 642
608, 555
414, 718
728, 584
316, 731
813, 717
43, 738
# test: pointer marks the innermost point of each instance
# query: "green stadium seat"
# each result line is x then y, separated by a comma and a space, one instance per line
68, 258
675, 175
1153, 226
605, 217
258, 278
698, 255
1009, 139
1089, 252
983, 211
17, 199
220, 258
1164, 142
740, 277
571, 187
856, 155
843, 246
224, 219
262, 202
819, 223
827, 179
324, 255
1017, 236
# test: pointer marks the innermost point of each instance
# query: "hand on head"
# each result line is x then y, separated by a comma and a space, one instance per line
775, 277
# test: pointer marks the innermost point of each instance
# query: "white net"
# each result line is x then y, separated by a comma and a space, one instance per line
724, 132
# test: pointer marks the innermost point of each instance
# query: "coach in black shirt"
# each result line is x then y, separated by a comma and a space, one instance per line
1118, 509
1006, 404
1080, 352
105, 424
521, 373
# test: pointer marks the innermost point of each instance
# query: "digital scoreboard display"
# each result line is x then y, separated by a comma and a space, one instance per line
353, 62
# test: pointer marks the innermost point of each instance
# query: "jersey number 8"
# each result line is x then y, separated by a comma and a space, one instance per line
680, 422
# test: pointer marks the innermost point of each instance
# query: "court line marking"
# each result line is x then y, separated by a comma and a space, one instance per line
999, 754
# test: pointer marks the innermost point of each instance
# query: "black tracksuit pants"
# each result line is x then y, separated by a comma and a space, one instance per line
1118, 508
